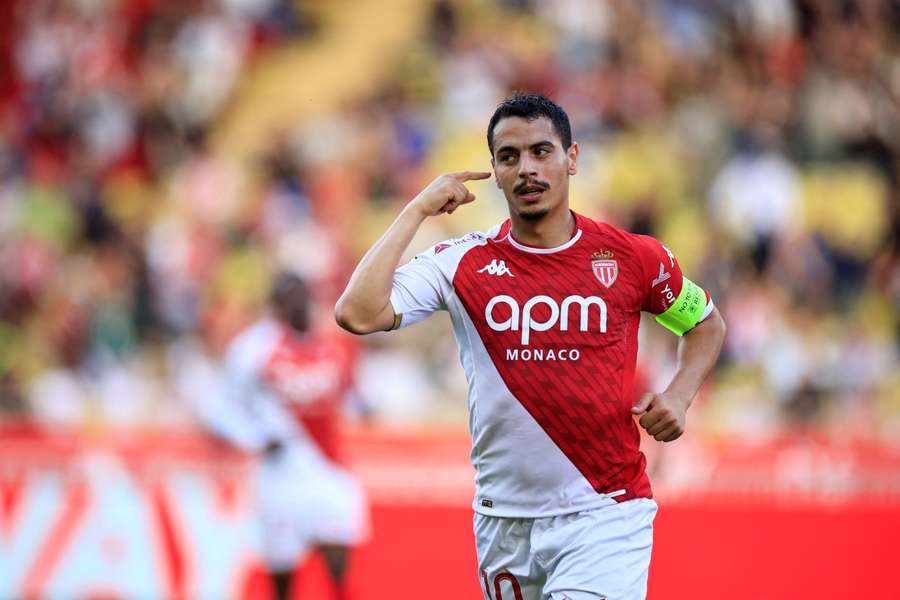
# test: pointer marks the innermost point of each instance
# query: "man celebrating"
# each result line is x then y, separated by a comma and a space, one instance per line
546, 308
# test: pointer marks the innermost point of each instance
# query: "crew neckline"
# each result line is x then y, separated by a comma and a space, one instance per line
539, 250
576, 235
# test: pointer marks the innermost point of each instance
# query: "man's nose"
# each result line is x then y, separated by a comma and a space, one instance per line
527, 166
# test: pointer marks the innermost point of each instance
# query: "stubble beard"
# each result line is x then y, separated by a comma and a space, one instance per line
533, 216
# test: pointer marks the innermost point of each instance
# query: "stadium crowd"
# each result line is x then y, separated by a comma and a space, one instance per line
759, 139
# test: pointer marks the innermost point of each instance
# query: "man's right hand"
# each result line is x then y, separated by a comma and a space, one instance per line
365, 306
446, 193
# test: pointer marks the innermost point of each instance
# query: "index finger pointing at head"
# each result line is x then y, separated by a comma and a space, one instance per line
469, 175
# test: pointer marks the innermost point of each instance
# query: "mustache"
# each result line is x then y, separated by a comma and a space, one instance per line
531, 184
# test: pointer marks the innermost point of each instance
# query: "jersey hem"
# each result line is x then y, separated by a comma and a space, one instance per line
601, 500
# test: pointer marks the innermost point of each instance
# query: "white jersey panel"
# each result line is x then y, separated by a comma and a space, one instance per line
519, 471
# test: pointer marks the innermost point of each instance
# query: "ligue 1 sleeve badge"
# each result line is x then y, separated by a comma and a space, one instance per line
605, 268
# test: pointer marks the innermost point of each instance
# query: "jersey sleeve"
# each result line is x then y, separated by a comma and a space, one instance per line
419, 289
678, 303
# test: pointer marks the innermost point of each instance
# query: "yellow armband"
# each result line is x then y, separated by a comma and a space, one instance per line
687, 309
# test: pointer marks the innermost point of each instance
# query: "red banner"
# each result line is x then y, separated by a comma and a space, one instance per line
171, 515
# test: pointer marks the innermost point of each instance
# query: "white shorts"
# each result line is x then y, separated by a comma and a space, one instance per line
306, 501
596, 554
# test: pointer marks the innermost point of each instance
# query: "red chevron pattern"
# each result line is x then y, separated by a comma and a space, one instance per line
582, 401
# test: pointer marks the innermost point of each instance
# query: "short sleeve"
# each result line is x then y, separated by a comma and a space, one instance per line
678, 303
418, 290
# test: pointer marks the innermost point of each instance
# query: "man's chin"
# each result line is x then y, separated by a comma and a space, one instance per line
533, 214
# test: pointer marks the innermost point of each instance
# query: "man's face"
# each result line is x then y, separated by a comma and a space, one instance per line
531, 166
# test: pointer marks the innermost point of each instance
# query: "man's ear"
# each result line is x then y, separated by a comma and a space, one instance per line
572, 158
494, 167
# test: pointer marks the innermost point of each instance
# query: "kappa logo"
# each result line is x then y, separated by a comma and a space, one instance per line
663, 275
671, 256
496, 267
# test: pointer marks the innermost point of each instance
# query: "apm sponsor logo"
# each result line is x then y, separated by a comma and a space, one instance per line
521, 319
303, 386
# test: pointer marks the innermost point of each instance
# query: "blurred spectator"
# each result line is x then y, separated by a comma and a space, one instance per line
758, 138
754, 199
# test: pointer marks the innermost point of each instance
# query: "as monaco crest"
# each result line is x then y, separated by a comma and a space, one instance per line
605, 269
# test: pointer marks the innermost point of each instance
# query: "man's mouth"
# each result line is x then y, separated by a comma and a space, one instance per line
530, 193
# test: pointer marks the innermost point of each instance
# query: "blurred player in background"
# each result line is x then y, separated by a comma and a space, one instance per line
546, 307
284, 383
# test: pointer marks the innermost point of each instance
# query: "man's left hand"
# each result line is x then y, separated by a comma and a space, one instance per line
663, 415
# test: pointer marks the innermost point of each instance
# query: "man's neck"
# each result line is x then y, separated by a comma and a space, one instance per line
553, 230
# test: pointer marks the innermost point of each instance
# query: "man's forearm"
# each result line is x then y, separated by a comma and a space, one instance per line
364, 306
697, 353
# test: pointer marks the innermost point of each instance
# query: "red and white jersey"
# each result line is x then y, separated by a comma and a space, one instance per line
305, 377
548, 341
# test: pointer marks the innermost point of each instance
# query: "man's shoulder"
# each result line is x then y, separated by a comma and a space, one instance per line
594, 228
451, 251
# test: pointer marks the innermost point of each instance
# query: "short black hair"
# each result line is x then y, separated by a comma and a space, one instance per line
287, 289
530, 107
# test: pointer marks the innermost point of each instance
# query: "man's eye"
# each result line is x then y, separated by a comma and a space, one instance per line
507, 158
542, 151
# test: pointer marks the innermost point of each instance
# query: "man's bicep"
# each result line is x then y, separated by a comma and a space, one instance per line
678, 303
692, 305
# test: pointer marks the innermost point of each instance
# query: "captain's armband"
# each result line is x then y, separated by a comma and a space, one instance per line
687, 310
398, 318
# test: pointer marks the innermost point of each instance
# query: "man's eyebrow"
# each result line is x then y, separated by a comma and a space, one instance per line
531, 147
507, 149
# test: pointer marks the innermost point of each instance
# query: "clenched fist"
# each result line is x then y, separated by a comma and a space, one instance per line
663, 415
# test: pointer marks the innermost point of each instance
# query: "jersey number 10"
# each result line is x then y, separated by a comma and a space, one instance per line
498, 579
